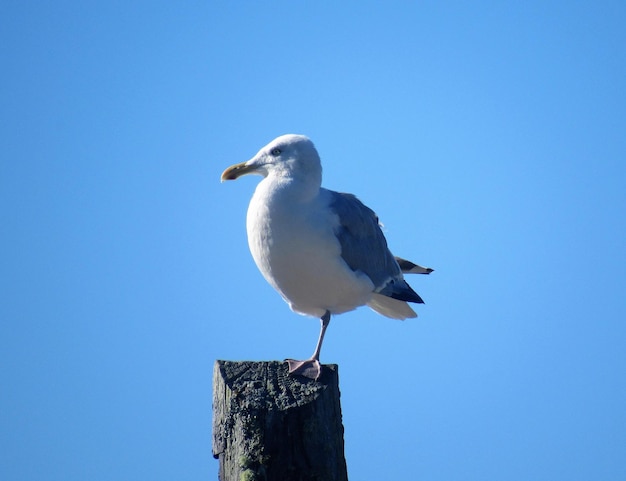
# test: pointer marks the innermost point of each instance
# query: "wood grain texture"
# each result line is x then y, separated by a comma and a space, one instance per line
268, 426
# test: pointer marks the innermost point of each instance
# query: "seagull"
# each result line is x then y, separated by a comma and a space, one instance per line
323, 251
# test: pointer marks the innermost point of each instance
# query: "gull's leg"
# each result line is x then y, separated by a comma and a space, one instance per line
311, 368
325, 320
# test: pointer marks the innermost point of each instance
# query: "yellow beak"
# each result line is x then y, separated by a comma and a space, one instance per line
235, 171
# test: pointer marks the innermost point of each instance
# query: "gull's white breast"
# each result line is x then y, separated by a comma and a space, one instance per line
292, 240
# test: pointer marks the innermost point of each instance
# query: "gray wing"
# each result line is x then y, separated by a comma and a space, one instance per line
364, 247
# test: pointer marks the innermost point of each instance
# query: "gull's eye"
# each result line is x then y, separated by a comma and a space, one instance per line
275, 152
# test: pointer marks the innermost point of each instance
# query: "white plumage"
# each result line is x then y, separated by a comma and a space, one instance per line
323, 251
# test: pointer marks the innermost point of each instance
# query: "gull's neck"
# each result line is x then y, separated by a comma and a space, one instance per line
297, 187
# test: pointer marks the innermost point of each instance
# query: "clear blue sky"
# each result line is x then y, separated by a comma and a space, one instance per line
489, 137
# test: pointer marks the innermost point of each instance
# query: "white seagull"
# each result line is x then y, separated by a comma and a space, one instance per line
323, 251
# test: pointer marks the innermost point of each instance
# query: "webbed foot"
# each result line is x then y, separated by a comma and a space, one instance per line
310, 368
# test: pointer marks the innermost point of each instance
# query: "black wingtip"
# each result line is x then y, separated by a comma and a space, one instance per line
405, 293
409, 267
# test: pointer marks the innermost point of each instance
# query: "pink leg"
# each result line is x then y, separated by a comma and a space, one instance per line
311, 368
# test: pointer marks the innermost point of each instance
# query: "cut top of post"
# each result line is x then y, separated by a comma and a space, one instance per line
270, 426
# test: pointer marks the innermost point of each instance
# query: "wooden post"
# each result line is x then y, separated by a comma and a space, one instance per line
268, 426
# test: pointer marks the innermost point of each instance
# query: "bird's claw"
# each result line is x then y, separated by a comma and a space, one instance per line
310, 368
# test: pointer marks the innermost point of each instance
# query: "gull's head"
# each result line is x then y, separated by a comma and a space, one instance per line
291, 156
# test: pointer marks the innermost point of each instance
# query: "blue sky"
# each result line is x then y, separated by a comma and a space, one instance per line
490, 139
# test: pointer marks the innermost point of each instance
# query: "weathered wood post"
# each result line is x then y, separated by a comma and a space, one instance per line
268, 426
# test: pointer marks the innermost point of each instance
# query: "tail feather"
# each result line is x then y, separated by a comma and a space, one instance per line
389, 307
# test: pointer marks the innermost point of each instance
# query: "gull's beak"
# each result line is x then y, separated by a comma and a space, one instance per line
235, 171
